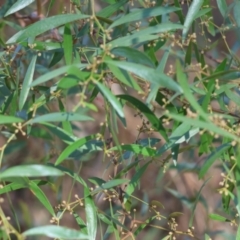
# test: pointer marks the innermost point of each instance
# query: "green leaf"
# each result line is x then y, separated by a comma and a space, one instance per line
141, 226
144, 35
222, 6
143, 13
179, 12
20, 4
218, 217
19, 185
124, 77
238, 233
57, 57
182, 79
160, 68
204, 125
133, 55
206, 237
33, 170
137, 149
236, 12
67, 44
27, 82
96, 181
60, 133
55, 232
9, 119
149, 74
73, 77
134, 181
80, 223
109, 10
212, 158
188, 55
55, 73
41, 197
44, 25
60, 117
156, 124
231, 95
159, 28
191, 14
130, 40
91, 215
111, 98
72, 147
107, 185
202, 12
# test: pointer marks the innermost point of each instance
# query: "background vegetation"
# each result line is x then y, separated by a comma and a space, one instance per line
119, 119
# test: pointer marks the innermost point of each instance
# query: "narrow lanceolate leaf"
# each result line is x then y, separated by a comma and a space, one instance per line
36, 190
130, 40
125, 77
72, 147
204, 125
160, 68
60, 117
44, 25
110, 184
149, 74
9, 119
222, 6
67, 44
20, 4
182, 79
55, 232
133, 55
91, 215
55, 73
19, 185
191, 14
27, 82
236, 12
144, 35
143, 13
212, 158
218, 217
111, 98
33, 170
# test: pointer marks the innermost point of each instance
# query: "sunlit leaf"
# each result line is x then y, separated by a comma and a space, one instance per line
9, 119
148, 74
44, 25
60, 117
55, 232
91, 216
41, 197
191, 14
143, 13
33, 170
18, 5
